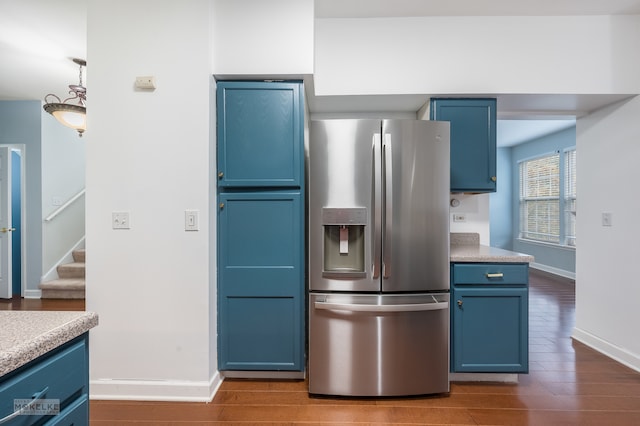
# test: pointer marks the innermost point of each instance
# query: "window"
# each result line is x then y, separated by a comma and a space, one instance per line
570, 197
543, 198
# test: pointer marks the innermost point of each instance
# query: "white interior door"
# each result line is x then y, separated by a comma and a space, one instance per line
5, 223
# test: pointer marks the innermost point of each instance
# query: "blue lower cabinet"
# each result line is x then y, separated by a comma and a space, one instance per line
261, 281
490, 320
60, 376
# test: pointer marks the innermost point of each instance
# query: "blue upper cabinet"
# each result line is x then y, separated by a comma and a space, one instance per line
260, 133
473, 142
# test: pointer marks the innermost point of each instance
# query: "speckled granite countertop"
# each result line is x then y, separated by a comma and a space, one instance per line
466, 247
25, 335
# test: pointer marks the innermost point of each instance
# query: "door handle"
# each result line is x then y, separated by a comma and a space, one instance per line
388, 206
376, 199
382, 308
5, 230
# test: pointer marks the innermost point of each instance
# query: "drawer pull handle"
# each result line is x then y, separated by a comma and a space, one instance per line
495, 275
35, 399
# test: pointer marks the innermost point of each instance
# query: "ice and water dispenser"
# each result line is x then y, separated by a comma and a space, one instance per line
344, 242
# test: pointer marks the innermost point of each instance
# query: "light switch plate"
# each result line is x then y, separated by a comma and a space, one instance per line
191, 220
120, 220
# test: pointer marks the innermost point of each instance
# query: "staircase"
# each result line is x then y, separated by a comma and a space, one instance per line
71, 281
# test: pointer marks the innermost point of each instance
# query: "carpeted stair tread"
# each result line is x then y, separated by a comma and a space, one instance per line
79, 255
64, 284
72, 270
71, 281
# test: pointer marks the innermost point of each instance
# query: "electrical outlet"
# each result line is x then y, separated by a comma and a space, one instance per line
120, 220
459, 217
607, 219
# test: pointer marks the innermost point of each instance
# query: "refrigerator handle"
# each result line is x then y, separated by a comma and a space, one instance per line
376, 211
388, 206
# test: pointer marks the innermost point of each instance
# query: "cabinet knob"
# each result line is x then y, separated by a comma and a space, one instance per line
221, 206
493, 178
220, 175
459, 302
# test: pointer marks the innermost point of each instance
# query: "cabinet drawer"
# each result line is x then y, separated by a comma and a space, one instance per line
490, 273
74, 415
60, 376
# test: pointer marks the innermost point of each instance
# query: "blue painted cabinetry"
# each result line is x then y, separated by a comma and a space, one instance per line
490, 319
260, 227
259, 134
61, 376
473, 142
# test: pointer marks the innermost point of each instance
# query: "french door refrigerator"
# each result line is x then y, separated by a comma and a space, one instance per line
378, 257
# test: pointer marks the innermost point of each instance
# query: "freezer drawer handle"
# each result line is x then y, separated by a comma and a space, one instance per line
382, 308
495, 275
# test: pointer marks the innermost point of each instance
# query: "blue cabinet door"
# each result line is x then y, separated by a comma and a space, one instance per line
261, 281
473, 142
490, 330
260, 133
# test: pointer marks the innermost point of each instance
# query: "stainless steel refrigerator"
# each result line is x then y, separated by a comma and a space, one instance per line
378, 257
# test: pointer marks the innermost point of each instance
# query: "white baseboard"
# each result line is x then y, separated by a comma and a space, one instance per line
33, 294
52, 274
155, 390
615, 352
552, 270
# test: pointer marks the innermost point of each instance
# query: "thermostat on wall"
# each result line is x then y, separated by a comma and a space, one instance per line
146, 82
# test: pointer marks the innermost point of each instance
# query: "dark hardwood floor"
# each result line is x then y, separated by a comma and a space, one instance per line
568, 384
19, 304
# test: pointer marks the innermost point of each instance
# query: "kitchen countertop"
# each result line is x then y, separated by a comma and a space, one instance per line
465, 247
26, 335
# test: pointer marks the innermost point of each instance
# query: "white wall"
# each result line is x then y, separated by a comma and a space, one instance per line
608, 287
475, 208
470, 55
265, 38
150, 153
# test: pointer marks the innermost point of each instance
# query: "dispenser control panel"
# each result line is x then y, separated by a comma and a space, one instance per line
346, 216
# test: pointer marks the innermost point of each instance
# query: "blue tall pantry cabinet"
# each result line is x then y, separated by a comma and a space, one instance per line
261, 286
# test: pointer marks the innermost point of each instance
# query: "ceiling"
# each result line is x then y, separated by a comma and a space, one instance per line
38, 38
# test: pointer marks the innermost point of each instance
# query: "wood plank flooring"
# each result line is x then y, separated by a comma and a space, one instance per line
19, 304
568, 384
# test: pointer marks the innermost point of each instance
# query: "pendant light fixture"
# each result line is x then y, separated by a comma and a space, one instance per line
73, 115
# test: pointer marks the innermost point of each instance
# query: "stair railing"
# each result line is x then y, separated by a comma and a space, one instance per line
60, 209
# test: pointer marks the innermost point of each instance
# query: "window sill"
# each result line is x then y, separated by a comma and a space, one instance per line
543, 244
